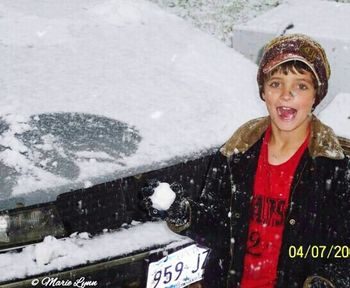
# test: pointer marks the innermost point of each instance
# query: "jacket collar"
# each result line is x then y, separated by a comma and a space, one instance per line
323, 141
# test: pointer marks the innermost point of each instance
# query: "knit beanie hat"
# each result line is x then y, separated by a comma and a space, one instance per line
296, 47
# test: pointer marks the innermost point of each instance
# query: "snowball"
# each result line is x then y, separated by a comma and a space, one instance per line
163, 197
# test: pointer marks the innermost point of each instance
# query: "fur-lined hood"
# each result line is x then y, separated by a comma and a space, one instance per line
323, 141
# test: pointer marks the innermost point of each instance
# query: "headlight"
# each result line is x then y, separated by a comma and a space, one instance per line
28, 225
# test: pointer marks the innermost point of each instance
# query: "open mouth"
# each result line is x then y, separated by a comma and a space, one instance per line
286, 113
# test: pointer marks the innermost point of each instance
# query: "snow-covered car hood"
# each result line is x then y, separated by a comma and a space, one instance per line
94, 90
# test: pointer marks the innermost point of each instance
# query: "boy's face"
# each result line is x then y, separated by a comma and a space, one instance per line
289, 99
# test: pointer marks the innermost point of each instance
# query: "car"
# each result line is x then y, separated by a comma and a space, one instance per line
100, 98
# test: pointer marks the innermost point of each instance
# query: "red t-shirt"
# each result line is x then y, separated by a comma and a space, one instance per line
268, 210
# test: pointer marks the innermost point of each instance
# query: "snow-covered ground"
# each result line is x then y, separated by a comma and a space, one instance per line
219, 17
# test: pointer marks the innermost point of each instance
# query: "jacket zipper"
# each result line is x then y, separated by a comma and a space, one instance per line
233, 188
290, 208
232, 240
293, 190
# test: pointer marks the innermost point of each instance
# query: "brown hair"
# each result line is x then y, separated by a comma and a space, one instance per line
294, 67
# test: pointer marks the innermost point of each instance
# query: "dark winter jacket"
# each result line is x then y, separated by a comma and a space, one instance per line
318, 213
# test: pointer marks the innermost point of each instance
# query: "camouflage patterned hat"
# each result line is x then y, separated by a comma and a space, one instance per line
296, 47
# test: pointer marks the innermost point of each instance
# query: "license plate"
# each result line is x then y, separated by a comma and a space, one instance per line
178, 269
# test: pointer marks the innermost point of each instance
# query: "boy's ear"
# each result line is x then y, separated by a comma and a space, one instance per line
263, 96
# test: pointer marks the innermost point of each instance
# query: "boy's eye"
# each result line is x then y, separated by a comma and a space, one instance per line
302, 86
274, 84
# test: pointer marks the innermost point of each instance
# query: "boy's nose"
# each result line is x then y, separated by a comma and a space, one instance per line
287, 94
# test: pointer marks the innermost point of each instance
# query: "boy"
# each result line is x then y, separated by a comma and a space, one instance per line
278, 187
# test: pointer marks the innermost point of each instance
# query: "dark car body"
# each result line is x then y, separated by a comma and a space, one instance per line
104, 201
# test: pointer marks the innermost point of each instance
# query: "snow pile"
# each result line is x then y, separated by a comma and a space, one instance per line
163, 196
53, 254
336, 116
48, 250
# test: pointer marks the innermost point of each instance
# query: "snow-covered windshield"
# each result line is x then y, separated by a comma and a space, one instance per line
68, 146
